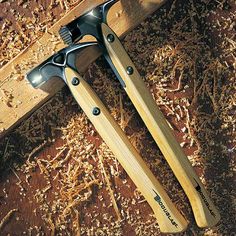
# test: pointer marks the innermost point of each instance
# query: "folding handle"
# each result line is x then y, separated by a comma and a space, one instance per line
204, 210
168, 217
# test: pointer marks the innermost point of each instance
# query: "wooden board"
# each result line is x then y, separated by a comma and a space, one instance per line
18, 98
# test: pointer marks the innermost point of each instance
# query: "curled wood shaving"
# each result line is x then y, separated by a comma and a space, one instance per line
36, 149
51, 225
188, 125
6, 218
77, 223
19, 183
72, 195
108, 184
5, 151
42, 168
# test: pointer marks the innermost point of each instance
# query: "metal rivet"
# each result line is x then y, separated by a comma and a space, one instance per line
75, 81
129, 70
96, 111
110, 38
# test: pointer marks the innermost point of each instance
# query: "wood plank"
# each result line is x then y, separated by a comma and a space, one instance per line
18, 98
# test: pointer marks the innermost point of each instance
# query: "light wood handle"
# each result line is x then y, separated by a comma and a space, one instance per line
168, 217
204, 210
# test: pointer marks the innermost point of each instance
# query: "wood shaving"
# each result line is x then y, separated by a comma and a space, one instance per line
6, 218
108, 184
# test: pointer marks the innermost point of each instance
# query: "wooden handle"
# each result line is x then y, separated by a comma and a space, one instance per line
168, 217
204, 210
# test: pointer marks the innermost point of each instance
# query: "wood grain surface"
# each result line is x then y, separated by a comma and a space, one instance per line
204, 210
127, 156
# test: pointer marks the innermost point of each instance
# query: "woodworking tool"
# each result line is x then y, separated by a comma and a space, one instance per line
62, 65
94, 23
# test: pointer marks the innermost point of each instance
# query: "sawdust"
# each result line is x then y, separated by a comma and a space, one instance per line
22, 23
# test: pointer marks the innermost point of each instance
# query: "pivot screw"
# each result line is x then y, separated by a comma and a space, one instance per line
75, 81
96, 111
129, 70
110, 38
